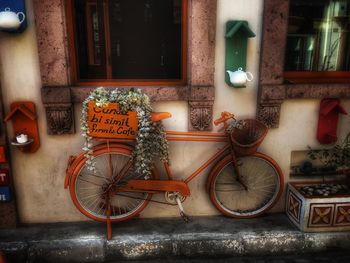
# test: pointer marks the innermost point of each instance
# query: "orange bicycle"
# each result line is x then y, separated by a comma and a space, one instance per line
242, 182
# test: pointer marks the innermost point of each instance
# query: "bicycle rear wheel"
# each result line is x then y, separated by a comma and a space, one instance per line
88, 189
259, 173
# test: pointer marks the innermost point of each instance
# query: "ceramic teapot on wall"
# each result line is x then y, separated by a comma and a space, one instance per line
239, 78
11, 20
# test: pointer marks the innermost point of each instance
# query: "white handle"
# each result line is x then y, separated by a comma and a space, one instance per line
23, 17
249, 76
7, 9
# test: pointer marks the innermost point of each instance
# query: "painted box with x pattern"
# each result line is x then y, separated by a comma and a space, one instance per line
317, 214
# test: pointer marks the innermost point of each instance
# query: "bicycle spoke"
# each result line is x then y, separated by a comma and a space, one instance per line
119, 208
117, 161
87, 189
128, 207
263, 187
112, 210
99, 170
110, 165
89, 197
230, 190
261, 179
89, 192
263, 191
81, 179
94, 204
134, 197
231, 197
115, 166
123, 172
100, 209
95, 175
105, 211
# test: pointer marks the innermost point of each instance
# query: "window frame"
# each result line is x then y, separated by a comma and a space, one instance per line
273, 90
300, 77
59, 94
72, 47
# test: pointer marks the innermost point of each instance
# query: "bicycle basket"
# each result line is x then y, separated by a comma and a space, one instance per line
247, 136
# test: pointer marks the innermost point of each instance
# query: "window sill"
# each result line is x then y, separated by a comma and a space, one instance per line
156, 93
138, 83
58, 102
316, 81
301, 77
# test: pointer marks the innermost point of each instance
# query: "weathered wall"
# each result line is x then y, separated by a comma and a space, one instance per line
298, 123
39, 176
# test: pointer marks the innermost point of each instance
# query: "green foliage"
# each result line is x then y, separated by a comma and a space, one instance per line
338, 156
151, 138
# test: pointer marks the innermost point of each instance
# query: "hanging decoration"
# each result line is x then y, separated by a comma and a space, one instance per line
13, 16
150, 139
328, 120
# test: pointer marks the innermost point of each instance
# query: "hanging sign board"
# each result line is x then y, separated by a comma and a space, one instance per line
108, 122
2, 155
5, 195
4, 177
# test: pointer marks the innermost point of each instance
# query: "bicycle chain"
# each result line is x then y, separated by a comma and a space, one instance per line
154, 201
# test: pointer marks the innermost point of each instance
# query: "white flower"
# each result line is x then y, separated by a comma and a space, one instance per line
151, 138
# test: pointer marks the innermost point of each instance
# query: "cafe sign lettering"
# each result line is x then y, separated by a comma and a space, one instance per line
110, 122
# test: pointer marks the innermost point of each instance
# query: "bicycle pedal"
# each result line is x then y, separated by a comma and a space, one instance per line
185, 217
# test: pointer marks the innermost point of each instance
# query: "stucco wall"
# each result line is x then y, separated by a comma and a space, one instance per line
39, 177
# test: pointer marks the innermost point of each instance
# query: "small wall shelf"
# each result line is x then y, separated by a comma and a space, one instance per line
16, 7
24, 121
237, 34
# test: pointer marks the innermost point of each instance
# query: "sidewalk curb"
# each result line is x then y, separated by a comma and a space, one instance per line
141, 239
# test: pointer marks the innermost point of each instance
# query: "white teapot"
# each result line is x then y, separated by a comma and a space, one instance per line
11, 20
22, 138
239, 78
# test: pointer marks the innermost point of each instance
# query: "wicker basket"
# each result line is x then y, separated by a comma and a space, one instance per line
247, 136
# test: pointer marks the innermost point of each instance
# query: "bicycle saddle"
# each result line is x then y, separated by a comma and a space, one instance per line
158, 116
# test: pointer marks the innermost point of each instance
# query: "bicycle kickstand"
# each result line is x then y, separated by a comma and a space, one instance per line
109, 226
185, 217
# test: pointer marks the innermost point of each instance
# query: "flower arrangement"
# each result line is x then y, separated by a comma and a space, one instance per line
150, 140
334, 159
337, 156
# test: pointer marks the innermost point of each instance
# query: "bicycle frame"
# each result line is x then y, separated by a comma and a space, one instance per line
204, 137
157, 186
181, 186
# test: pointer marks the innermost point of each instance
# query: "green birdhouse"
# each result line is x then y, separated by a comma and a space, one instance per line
236, 34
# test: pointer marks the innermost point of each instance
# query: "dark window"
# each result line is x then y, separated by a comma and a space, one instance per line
318, 41
128, 40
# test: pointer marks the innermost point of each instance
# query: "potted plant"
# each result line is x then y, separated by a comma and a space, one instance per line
325, 205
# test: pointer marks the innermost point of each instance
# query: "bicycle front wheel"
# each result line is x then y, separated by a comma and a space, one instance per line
89, 189
256, 191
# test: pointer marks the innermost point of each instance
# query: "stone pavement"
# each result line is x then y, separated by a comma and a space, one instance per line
267, 239
330, 257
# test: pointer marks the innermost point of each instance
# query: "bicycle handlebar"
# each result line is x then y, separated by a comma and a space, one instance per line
225, 116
